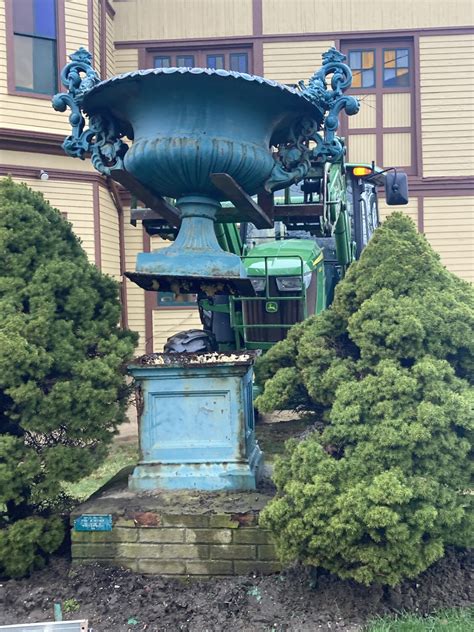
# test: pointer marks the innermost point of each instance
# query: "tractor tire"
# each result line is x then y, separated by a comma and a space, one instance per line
191, 341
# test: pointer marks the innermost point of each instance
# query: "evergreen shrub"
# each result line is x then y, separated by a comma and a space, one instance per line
378, 493
63, 391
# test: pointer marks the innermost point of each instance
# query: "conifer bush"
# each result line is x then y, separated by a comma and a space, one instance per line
378, 493
62, 384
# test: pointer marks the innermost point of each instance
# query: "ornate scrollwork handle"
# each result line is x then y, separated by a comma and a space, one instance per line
102, 138
330, 148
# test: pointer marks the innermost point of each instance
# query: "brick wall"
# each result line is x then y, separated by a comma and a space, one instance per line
171, 544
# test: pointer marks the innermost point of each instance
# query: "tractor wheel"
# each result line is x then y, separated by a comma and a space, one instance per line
191, 341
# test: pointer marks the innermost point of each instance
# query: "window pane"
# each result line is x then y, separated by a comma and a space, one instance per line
368, 79
367, 59
169, 299
23, 47
44, 66
239, 62
355, 59
215, 61
357, 79
45, 18
162, 62
185, 61
23, 16
35, 17
402, 58
389, 58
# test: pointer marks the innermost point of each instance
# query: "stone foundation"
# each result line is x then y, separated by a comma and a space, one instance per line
178, 533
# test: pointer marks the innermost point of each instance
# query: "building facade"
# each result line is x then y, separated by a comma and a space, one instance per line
413, 72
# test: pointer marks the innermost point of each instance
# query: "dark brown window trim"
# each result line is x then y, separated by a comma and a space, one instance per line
237, 40
147, 58
162, 308
61, 50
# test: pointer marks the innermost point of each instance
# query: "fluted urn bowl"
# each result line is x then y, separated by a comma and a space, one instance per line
186, 124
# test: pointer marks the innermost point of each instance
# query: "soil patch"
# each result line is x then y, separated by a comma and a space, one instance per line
117, 600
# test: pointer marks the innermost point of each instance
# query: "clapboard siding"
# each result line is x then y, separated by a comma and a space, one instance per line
316, 16
167, 322
163, 19
446, 105
75, 199
109, 235
449, 227
289, 62
126, 60
133, 237
410, 209
97, 11
77, 24
109, 45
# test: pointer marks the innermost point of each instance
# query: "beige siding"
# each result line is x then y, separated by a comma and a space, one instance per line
45, 161
77, 24
397, 149
126, 60
166, 19
397, 109
97, 9
25, 113
135, 295
361, 148
167, 322
75, 199
109, 45
289, 62
449, 226
447, 103
109, 235
365, 118
410, 209
316, 16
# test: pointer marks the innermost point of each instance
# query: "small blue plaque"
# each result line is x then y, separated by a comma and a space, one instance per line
93, 522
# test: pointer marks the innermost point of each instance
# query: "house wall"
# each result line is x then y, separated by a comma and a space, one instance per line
181, 19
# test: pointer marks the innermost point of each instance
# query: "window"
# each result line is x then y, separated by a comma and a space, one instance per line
384, 129
169, 299
362, 63
229, 59
396, 67
35, 45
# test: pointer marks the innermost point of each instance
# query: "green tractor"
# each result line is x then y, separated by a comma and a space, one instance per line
320, 227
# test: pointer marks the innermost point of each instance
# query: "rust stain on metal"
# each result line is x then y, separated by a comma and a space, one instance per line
196, 359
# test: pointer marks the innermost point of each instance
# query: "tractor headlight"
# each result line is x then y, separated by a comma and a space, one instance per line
258, 284
289, 284
293, 283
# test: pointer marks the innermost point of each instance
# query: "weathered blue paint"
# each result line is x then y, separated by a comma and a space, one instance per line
196, 426
189, 123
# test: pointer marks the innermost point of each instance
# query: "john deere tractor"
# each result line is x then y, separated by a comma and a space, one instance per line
320, 226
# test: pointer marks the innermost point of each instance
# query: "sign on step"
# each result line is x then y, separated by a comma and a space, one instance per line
48, 626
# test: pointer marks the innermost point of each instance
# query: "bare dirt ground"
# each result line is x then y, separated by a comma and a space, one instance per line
117, 600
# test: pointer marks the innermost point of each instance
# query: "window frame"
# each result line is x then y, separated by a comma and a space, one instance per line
174, 304
10, 50
379, 90
200, 53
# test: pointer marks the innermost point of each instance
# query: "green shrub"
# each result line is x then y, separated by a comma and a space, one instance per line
379, 492
62, 385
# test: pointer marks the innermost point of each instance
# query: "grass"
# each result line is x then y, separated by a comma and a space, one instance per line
455, 620
121, 455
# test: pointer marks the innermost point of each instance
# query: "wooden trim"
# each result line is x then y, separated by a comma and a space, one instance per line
298, 37
257, 30
109, 9
97, 240
10, 48
31, 141
90, 27
149, 302
417, 106
421, 214
103, 39
114, 194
